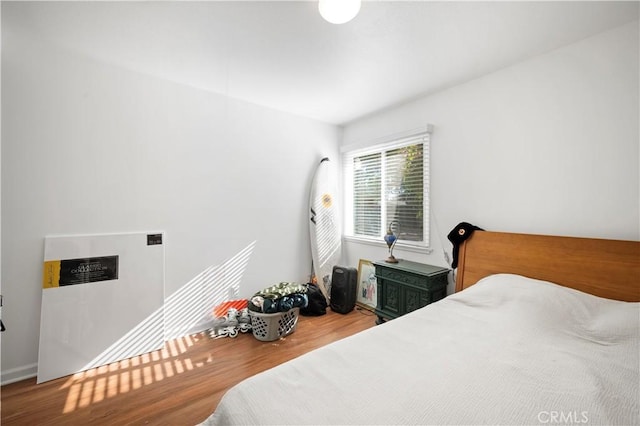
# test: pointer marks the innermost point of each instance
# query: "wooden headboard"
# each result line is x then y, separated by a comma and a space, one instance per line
605, 268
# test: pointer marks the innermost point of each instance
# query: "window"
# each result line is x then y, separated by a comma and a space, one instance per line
387, 185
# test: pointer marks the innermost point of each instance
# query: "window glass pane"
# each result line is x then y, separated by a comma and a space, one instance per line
404, 191
367, 208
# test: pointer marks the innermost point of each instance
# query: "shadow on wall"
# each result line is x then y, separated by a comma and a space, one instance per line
188, 310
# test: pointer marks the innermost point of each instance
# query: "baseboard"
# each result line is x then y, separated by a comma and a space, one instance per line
18, 374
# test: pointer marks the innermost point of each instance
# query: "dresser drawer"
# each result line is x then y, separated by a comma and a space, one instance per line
421, 281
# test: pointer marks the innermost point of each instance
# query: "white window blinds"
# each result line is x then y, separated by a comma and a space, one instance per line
388, 185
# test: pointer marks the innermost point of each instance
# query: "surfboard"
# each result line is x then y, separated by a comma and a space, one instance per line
324, 225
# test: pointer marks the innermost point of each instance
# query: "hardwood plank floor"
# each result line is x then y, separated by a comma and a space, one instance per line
178, 385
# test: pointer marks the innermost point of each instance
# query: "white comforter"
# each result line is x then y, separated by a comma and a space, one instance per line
508, 350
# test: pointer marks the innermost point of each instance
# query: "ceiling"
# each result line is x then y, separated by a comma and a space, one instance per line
282, 55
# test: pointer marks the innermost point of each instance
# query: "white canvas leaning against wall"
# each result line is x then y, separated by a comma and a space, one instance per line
102, 301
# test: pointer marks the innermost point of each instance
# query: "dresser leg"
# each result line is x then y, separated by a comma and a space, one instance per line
380, 320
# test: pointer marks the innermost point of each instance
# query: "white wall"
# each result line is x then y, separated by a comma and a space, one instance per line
548, 146
91, 148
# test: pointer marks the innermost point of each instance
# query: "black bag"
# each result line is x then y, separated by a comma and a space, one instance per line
317, 303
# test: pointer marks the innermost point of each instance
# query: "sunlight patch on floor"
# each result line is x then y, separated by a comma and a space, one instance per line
191, 303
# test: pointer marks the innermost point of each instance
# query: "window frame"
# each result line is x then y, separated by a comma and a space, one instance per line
399, 140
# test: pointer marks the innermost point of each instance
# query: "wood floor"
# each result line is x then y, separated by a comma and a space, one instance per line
179, 385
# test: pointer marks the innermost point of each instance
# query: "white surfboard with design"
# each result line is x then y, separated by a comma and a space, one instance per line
324, 225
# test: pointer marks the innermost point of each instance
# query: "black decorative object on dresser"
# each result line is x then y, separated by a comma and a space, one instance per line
406, 286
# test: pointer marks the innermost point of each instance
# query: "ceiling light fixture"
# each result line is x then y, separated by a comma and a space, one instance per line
339, 11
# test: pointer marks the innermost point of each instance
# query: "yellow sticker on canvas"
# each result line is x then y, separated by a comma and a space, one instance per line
51, 274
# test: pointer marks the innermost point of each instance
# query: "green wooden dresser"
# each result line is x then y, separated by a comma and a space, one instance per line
406, 286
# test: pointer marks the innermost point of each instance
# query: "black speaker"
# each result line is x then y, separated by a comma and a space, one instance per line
344, 286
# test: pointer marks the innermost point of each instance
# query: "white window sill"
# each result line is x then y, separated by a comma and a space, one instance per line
381, 243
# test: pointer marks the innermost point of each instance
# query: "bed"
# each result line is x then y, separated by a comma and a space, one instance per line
541, 330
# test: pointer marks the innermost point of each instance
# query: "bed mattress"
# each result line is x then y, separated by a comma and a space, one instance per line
508, 350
